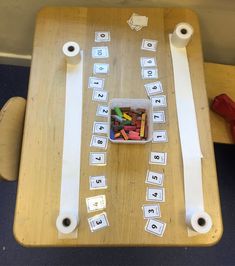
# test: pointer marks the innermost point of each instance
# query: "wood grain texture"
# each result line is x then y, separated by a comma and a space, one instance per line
11, 133
220, 79
40, 173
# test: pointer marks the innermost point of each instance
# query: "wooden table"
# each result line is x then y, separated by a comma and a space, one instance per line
40, 172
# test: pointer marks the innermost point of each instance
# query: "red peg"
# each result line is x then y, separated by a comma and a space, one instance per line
225, 106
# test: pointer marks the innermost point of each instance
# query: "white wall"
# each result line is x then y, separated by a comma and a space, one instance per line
217, 19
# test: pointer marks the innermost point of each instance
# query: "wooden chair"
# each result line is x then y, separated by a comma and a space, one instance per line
220, 79
11, 131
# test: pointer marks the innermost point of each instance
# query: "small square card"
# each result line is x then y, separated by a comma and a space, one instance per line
151, 211
155, 227
155, 194
158, 158
149, 45
98, 222
102, 36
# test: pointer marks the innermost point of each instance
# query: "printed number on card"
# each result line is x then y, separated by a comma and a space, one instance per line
160, 136
96, 203
98, 222
155, 227
100, 128
149, 45
155, 194
151, 211
149, 73
96, 83
102, 36
158, 158
159, 101
100, 96
153, 88
97, 182
97, 158
99, 142
100, 68
100, 52
148, 62
102, 111
159, 117
154, 178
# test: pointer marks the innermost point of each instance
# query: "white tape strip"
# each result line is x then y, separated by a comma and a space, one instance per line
68, 218
197, 220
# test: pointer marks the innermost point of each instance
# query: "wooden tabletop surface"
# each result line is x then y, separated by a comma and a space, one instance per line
38, 194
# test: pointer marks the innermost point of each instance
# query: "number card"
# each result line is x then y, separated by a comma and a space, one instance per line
102, 111
154, 178
155, 227
100, 52
102, 36
100, 128
149, 45
97, 158
153, 88
158, 158
159, 117
160, 136
98, 222
100, 68
151, 211
99, 142
148, 61
97, 182
159, 101
155, 194
100, 96
96, 83
149, 73
96, 203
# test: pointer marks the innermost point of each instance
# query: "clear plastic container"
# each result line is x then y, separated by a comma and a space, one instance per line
134, 104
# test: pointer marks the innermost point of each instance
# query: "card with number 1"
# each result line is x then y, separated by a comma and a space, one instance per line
160, 136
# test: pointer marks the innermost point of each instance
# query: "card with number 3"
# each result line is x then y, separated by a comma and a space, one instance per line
98, 222
151, 211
